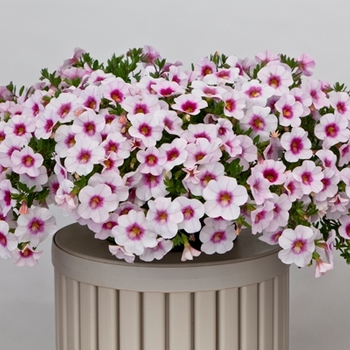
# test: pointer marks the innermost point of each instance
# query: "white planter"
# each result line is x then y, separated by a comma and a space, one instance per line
235, 301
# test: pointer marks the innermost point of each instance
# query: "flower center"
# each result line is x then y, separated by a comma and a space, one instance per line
151, 160
145, 129
172, 154
36, 226
3, 240
96, 202
116, 96
218, 236
347, 230
332, 130
298, 246
274, 81
230, 105
287, 112
84, 157
254, 92
270, 174
257, 123
207, 70
188, 213
341, 108
296, 145
189, 107
162, 216
306, 178
26, 253
90, 128
64, 110
166, 91
90, 102
135, 232
141, 108
28, 161
225, 198
20, 129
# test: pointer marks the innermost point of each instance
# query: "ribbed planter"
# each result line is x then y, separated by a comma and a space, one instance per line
235, 301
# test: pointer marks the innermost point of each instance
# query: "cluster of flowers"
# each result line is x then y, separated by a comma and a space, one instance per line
154, 156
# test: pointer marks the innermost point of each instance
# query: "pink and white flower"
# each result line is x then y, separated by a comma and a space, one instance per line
260, 121
8, 241
277, 77
120, 253
272, 170
344, 229
26, 161
261, 217
116, 90
140, 104
64, 196
164, 216
340, 101
332, 129
175, 153
162, 248
306, 64
223, 198
290, 110
133, 234
88, 126
35, 226
152, 160
298, 245
314, 88
309, 176
296, 144
145, 127
27, 256
217, 239
82, 157
202, 152
97, 202
104, 230
234, 104
189, 104
260, 187
256, 93
21, 126
189, 252
64, 106
7, 146
192, 211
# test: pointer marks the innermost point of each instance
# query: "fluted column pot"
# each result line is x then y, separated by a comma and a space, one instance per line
235, 301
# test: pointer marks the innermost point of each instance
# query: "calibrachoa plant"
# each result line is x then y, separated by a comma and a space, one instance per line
152, 156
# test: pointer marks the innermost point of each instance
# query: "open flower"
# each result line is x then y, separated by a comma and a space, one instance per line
298, 245
133, 234
97, 202
217, 239
223, 198
35, 226
164, 216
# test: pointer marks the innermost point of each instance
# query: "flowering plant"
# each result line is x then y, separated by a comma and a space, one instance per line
153, 156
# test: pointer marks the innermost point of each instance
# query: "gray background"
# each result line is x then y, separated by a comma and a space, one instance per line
42, 33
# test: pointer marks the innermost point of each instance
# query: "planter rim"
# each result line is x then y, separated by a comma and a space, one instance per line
246, 247
169, 275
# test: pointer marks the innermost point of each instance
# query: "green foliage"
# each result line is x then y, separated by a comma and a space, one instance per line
54, 79
122, 66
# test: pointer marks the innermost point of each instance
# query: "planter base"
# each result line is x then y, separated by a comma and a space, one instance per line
236, 301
